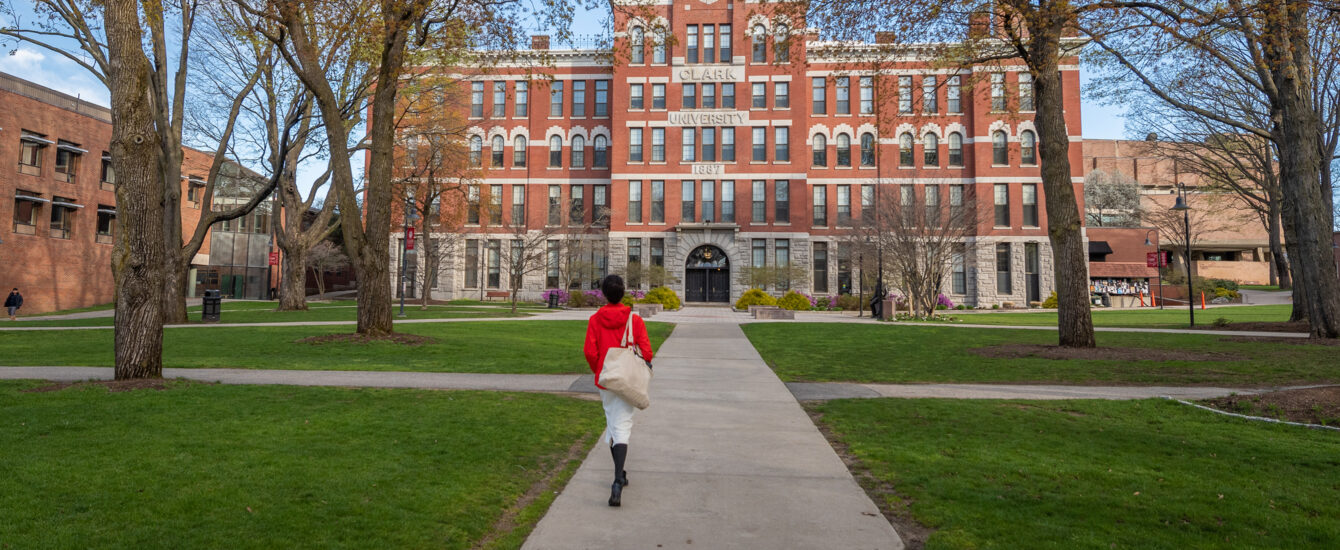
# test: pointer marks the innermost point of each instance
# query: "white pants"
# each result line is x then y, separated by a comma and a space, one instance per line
618, 418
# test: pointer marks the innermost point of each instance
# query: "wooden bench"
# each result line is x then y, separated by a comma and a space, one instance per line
497, 294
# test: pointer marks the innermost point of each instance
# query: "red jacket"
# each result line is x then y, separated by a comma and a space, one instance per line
605, 330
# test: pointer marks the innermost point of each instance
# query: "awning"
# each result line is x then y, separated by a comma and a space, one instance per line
200, 259
111, 211
66, 204
106, 156
35, 139
31, 198
71, 148
1099, 247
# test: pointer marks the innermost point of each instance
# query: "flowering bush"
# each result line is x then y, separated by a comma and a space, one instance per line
595, 298
943, 302
632, 296
562, 295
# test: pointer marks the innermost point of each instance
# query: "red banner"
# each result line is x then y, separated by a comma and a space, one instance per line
274, 258
1156, 259
409, 238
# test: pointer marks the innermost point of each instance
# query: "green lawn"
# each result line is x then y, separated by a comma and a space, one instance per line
1162, 318
1271, 288
520, 347
1094, 474
892, 353
99, 307
213, 466
345, 310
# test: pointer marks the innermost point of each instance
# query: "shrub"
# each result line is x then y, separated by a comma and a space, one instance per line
1222, 283
995, 306
577, 299
1221, 292
661, 295
632, 296
754, 297
794, 301
595, 298
943, 302
961, 307
1050, 302
848, 302
1221, 322
822, 302
562, 295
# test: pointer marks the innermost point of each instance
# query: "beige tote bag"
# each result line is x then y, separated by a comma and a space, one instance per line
625, 373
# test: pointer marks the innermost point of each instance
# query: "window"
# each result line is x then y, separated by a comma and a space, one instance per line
687, 145
956, 204
602, 158
691, 56
495, 204
905, 150
556, 98
634, 145
638, 54
760, 143
782, 254
499, 98
728, 201
867, 149
579, 98
760, 43
635, 201
931, 149
658, 144
27, 206
867, 95
658, 96
1004, 283
959, 277
657, 201
728, 144
555, 205
471, 263
495, 263
758, 213
1028, 152
709, 198
820, 206
106, 222
108, 173
709, 47
519, 205
476, 150
844, 95
576, 205
709, 96
1002, 205
1000, 148
67, 160
759, 97
62, 217
932, 200
820, 146
955, 149
728, 95
843, 149
820, 268
472, 205
759, 252
818, 96
723, 33
658, 49
997, 91
929, 105
476, 99
634, 255
781, 95
904, 95
868, 202
496, 151
658, 252
30, 158
555, 152
600, 205
953, 94
907, 199
844, 206
781, 45
687, 206
602, 98
635, 96
519, 151
578, 152
690, 96
782, 144
551, 264
1025, 91
709, 145
522, 99
782, 213
1030, 205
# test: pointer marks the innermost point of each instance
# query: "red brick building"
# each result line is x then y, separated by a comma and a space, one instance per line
728, 149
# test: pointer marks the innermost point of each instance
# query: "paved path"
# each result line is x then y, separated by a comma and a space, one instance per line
373, 379
708, 469
805, 391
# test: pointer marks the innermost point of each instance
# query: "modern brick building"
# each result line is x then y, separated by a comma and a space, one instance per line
731, 148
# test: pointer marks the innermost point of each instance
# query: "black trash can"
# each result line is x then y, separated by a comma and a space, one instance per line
209, 307
553, 300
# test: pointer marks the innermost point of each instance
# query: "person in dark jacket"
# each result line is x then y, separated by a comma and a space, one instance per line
13, 302
605, 330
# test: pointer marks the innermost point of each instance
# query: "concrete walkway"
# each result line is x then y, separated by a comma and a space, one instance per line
724, 458
370, 379
805, 391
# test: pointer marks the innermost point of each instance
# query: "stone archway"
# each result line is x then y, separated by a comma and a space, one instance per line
707, 275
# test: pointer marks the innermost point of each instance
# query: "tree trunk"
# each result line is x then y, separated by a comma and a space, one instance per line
1279, 260
138, 262
1070, 258
293, 281
175, 284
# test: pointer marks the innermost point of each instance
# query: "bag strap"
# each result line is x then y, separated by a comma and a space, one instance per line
627, 331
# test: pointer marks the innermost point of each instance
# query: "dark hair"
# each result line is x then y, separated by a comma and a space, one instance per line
612, 287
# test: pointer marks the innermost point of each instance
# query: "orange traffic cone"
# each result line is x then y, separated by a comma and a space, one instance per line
1202, 299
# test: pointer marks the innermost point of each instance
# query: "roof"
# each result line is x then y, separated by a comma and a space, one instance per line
1099, 247
1121, 270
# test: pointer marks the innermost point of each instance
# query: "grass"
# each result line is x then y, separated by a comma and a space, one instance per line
1094, 474
1271, 288
98, 307
892, 353
277, 467
514, 347
344, 310
1158, 318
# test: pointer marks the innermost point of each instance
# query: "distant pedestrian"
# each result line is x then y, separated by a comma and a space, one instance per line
13, 302
605, 330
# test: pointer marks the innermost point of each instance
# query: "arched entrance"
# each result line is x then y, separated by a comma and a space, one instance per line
707, 275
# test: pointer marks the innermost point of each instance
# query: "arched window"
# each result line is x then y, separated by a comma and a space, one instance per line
519, 151
602, 156
1028, 151
476, 150
578, 152
867, 149
555, 151
760, 40
497, 151
905, 149
820, 150
843, 150
931, 149
781, 46
658, 49
639, 46
1000, 148
955, 149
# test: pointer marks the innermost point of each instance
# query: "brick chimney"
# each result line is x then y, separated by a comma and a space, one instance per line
539, 42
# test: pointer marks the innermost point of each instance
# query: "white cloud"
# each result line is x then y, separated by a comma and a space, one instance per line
56, 72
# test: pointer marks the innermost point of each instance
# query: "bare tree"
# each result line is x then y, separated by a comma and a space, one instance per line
1111, 199
1210, 212
323, 258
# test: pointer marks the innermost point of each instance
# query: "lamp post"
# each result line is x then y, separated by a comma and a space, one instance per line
410, 217
1186, 227
1158, 261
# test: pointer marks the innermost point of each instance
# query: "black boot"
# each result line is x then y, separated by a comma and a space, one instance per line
620, 453
616, 494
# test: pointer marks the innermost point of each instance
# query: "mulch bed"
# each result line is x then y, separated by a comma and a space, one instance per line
1281, 326
1284, 340
1017, 351
111, 385
355, 338
1310, 405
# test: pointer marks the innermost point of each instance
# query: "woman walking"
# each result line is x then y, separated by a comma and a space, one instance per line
13, 302
605, 330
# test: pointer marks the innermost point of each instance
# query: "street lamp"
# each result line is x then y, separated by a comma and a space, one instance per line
1186, 227
410, 217
1158, 261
